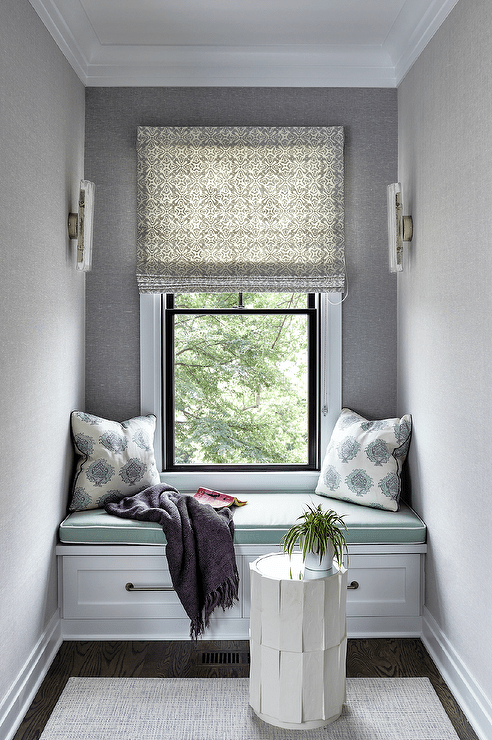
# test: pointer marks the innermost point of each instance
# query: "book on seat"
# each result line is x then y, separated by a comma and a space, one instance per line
217, 499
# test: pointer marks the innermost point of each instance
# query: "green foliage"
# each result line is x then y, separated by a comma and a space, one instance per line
315, 531
240, 383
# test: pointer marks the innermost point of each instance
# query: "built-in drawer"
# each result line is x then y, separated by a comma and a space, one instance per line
384, 585
385, 599
99, 588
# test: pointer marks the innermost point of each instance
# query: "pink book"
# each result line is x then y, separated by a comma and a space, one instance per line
216, 499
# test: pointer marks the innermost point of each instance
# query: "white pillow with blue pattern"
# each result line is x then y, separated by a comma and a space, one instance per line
114, 459
363, 460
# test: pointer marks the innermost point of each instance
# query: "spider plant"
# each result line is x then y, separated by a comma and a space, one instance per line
316, 531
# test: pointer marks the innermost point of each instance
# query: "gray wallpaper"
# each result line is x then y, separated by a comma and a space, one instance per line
369, 320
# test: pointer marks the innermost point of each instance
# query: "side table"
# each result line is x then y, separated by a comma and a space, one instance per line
298, 642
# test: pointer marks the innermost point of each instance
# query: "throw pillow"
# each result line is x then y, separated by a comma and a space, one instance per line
364, 459
115, 459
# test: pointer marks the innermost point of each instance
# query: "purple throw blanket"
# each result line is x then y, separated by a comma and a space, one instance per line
200, 550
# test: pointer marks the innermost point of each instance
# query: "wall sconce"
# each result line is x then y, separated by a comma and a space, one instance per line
80, 225
400, 228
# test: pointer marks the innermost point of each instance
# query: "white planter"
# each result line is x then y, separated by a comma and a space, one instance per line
312, 560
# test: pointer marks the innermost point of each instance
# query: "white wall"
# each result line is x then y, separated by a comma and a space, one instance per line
445, 328
41, 326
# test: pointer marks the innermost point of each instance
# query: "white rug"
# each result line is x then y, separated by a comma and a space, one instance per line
218, 709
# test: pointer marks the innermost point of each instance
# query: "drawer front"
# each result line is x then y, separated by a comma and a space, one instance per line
96, 588
387, 585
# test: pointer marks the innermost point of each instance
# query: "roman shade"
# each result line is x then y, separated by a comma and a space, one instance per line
240, 209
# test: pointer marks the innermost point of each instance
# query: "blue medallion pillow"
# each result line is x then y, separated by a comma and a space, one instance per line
114, 459
363, 460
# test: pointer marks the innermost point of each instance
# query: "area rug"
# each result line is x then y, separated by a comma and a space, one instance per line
218, 709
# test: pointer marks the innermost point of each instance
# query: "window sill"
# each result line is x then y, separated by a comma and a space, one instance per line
244, 482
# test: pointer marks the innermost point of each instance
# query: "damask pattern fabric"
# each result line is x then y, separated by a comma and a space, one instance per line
364, 459
235, 209
114, 459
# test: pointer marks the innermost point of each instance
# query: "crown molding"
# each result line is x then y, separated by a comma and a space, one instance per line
99, 65
75, 50
403, 49
242, 67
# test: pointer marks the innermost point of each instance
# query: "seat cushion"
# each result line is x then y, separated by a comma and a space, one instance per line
264, 520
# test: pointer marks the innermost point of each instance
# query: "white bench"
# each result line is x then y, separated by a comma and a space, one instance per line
100, 555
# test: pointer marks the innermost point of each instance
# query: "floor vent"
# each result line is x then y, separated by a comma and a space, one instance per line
224, 658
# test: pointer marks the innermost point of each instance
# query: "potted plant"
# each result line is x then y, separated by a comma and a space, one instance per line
321, 538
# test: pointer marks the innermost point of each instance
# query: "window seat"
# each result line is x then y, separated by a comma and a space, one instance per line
99, 555
264, 520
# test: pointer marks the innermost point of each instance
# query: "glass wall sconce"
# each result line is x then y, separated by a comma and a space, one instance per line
400, 228
80, 225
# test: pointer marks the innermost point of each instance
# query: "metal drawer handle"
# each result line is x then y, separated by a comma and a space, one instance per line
354, 585
131, 587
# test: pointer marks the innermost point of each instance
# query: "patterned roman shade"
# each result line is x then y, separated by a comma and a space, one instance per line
240, 209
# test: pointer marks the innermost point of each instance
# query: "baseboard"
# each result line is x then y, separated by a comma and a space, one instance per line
23, 690
380, 627
220, 628
466, 691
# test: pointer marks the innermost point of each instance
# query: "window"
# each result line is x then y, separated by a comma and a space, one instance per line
241, 382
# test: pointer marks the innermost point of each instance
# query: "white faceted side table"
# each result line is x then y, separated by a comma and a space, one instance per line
298, 642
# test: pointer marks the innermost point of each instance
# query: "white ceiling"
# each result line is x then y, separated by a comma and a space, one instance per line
295, 43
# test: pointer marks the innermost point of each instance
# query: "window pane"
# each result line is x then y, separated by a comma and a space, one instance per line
205, 300
249, 300
275, 300
241, 388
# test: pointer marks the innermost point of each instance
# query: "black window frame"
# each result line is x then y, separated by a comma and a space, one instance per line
313, 313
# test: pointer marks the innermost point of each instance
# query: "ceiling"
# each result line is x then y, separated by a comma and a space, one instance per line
263, 43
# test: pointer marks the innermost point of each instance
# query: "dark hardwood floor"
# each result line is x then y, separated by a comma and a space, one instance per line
226, 659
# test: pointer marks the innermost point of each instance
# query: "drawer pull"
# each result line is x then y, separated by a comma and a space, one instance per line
131, 587
354, 585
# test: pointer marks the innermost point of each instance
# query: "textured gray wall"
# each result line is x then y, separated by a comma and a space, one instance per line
369, 319
445, 328
41, 324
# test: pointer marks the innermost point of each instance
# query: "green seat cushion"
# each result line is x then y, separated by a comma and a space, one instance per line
264, 519
267, 517
96, 527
